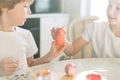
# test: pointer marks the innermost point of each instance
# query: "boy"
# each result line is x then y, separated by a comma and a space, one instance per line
17, 45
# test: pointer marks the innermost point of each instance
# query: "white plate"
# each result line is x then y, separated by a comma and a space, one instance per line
82, 75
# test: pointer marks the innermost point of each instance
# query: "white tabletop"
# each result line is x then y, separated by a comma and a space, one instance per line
107, 67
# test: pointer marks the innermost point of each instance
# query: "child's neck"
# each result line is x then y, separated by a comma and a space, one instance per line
7, 29
116, 30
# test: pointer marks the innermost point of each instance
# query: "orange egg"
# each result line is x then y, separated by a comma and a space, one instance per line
60, 36
61, 31
60, 40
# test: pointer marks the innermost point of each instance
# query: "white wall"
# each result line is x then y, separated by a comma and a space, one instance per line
98, 8
85, 8
72, 7
76, 8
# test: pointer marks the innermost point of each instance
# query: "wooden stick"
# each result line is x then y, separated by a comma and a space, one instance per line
31, 73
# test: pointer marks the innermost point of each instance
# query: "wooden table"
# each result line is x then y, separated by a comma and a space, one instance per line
107, 67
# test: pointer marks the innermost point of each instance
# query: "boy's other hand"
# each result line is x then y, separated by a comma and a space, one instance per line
9, 66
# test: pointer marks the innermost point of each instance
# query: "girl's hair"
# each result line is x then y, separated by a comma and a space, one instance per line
10, 3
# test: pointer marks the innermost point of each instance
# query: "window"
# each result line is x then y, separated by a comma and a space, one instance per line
98, 8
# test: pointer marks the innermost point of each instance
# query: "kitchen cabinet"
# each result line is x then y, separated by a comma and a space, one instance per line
42, 24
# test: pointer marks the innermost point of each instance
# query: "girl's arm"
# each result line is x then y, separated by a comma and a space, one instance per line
75, 46
1, 69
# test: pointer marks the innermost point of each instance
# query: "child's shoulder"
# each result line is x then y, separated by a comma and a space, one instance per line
19, 29
100, 22
23, 31
101, 25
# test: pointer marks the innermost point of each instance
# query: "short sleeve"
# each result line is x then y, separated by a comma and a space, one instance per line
31, 46
88, 32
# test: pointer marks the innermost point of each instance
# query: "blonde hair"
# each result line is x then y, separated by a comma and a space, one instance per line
10, 3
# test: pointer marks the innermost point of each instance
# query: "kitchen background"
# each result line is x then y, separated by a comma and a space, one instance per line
56, 13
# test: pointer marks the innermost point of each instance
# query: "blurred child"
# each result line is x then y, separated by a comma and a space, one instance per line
105, 36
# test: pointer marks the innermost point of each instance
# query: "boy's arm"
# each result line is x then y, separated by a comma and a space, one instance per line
45, 59
55, 51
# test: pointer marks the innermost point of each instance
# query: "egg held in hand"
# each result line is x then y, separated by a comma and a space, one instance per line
61, 30
60, 36
70, 69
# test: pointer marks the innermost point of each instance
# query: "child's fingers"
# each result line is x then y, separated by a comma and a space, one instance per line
10, 71
53, 31
9, 65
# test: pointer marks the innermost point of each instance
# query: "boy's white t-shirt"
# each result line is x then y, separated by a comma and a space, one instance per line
17, 45
105, 43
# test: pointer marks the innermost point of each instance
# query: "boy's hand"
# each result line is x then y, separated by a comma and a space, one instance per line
9, 66
53, 31
56, 50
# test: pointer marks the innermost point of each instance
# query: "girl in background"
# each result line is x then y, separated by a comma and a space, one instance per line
105, 36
